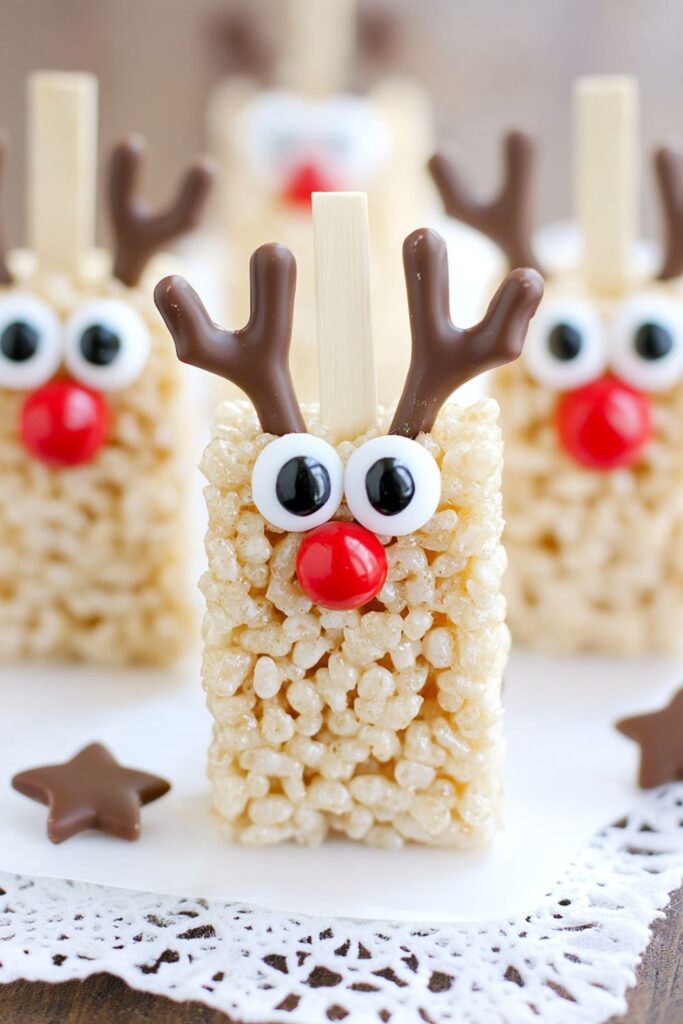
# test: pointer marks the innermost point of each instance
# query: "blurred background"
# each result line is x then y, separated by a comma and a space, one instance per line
489, 65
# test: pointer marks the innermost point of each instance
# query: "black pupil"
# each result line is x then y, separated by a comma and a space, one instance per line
19, 341
100, 345
303, 485
389, 486
564, 342
653, 341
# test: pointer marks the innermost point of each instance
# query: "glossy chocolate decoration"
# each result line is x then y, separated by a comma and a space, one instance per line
138, 233
507, 220
255, 358
669, 173
92, 791
443, 356
660, 736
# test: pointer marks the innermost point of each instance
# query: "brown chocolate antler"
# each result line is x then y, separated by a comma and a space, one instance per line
507, 220
444, 356
669, 173
5, 275
378, 34
139, 233
247, 48
254, 358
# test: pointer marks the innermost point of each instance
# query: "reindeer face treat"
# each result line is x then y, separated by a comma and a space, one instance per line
301, 132
354, 637
592, 415
93, 420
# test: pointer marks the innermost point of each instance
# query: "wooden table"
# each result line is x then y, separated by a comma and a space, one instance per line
657, 999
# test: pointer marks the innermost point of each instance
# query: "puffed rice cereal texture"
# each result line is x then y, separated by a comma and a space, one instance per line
383, 724
595, 559
94, 559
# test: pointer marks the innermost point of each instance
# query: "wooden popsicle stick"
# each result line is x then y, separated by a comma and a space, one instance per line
348, 389
607, 177
318, 43
62, 168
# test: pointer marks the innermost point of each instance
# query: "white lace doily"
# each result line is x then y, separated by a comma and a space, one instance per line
571, 960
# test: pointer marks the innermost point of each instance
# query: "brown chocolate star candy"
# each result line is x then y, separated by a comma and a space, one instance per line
660, 735
92, 791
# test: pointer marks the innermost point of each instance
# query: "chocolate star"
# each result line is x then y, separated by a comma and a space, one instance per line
91, 791
660, 736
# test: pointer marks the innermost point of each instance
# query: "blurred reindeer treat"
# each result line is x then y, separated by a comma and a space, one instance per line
592, 416
354, 637
94, 455
290, 127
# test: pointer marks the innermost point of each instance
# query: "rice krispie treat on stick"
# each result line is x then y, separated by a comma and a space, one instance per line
593, 413
354, 637
292, 127
94, 456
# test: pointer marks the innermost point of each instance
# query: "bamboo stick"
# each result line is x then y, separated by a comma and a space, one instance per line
348, 394
318, 44
62, 168
607, 177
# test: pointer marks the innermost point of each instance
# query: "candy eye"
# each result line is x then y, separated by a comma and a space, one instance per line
273, 130
353, 134
107, 345
30, 342
565, 347
647, 342
297, 482
392, 485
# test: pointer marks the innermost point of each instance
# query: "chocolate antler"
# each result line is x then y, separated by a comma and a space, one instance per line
669, 172
246, 46
254, 358
138, 233
444, 356
378, 34
507, 219
5, 275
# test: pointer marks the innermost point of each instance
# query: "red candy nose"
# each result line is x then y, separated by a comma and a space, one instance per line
306, 179
64, 424
604, 425
341, 565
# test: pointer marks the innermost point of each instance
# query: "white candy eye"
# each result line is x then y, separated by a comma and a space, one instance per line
565, 347
107, 345
30, 342
297, 482
647, 342
352, 136
392, 485
275, 129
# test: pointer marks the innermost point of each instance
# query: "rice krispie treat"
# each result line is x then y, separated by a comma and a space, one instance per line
593, 413
354, 638
94, 451
292, 127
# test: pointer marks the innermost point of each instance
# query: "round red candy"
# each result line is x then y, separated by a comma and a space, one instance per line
604, 425
341, 566
64, 424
